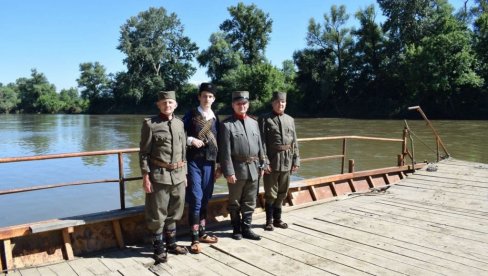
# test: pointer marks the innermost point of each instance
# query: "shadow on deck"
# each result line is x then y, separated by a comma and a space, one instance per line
433, 222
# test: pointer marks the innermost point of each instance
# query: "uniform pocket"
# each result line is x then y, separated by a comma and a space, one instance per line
160, 139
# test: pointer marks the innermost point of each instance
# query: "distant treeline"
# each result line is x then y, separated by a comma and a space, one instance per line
423, 53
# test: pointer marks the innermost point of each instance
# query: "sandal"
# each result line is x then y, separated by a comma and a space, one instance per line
280, 224
208, 239
195, 247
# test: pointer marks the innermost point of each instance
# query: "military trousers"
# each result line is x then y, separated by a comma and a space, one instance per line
164, 206
276, 186
200, 187
242, 196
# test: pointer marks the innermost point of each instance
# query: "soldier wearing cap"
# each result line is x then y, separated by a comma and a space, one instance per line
162, 158
241, 155
201, 126
280, 142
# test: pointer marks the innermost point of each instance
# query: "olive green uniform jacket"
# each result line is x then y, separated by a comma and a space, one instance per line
277, 131
237, 142
164, 141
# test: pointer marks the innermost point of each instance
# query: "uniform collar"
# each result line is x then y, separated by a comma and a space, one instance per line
164, 117
240, 117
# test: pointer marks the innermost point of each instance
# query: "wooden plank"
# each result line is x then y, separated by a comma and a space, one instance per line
138, 270
214, 265
118, 233
117, 259
61, 269
30, 272
68, 248
91, 266
413, 235
267, 260
373, 255
227, 259
315, 254
9, 260
443, 262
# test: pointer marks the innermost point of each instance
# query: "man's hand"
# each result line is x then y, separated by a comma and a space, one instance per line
218, 173
294, 168
197, 143
267, 170
146, 184
231, 179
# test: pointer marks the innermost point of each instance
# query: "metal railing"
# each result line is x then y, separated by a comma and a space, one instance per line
438, 139
121, 180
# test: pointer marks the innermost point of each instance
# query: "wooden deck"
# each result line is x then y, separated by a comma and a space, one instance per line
433, 222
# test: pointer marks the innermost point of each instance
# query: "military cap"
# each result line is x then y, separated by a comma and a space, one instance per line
207, 87
278, 96
240, 95
166, 95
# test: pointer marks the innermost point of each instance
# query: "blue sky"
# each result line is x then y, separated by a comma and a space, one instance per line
55, 36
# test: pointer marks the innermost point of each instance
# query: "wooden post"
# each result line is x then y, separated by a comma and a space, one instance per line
399, 160
9, 260
121, 181
68, 248
404, 146
437, 148
344, 145
118, 233
351, 165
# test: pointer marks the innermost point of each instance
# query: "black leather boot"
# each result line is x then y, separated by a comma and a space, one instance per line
247, 232
235, 220
269, 217
160, 255
277, 219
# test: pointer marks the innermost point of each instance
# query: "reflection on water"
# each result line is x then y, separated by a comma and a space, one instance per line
26, 135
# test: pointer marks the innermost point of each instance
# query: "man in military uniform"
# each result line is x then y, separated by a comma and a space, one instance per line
241, 153
163, 166
280, 142
201, 126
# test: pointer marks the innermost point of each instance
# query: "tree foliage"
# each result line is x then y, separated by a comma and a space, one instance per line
158, 55
8, 98
248, 32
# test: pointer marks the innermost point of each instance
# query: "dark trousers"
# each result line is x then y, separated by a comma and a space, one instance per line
242, 196
200, 187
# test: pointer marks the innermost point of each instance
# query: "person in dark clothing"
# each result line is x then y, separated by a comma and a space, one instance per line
201, 126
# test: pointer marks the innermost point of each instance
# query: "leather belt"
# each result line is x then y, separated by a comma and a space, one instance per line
247, 159
169, 166
282, 147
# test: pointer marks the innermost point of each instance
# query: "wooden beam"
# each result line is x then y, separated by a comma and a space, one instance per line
369, 179
118, 233
311, 189
68, 248
9, 260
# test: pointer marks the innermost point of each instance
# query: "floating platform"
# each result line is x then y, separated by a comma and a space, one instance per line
433, 222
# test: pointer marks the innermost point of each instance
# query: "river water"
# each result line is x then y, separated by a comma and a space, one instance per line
28, 135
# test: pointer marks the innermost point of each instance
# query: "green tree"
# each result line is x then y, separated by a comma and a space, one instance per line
248, 32
9, 98
158, 55
333, 41
480, 29
219, 58
369, 92
37, 94
260, 79
93, 81
72, 103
